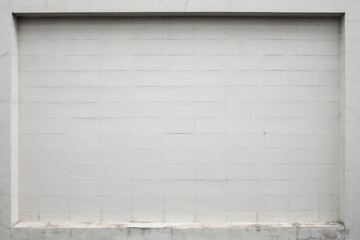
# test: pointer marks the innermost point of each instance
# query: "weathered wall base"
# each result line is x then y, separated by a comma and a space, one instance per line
61, 231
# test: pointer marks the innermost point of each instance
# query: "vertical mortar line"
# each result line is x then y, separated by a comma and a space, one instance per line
288, 139
37, 161
286, 86
100, 120
162, 162
227, 124
68, 133
132, 119
317, 164
194, 71
258, 130
340, 160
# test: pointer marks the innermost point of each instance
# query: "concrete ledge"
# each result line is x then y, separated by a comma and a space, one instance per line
177, 231
174, 225
181, 14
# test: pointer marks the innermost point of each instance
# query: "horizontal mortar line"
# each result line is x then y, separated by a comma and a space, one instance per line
164, 133
163, 161
98, 90
179, 70
64, 39
194, 38
101, 101
258, 182
206, 210
190, 92
229, 179
290, 85
160, 163
179, 54
190, 163
100, 132
230, 37
175, 70
132, 134
175, 117
285, 194
250, 148
258, 116
192, 117
190, 103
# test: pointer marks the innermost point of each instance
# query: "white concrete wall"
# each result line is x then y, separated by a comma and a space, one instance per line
350, 196
320, 6
6, 50
351, 117
173, 120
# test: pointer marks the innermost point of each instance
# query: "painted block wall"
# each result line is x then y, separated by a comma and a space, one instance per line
350, 140
179, 120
